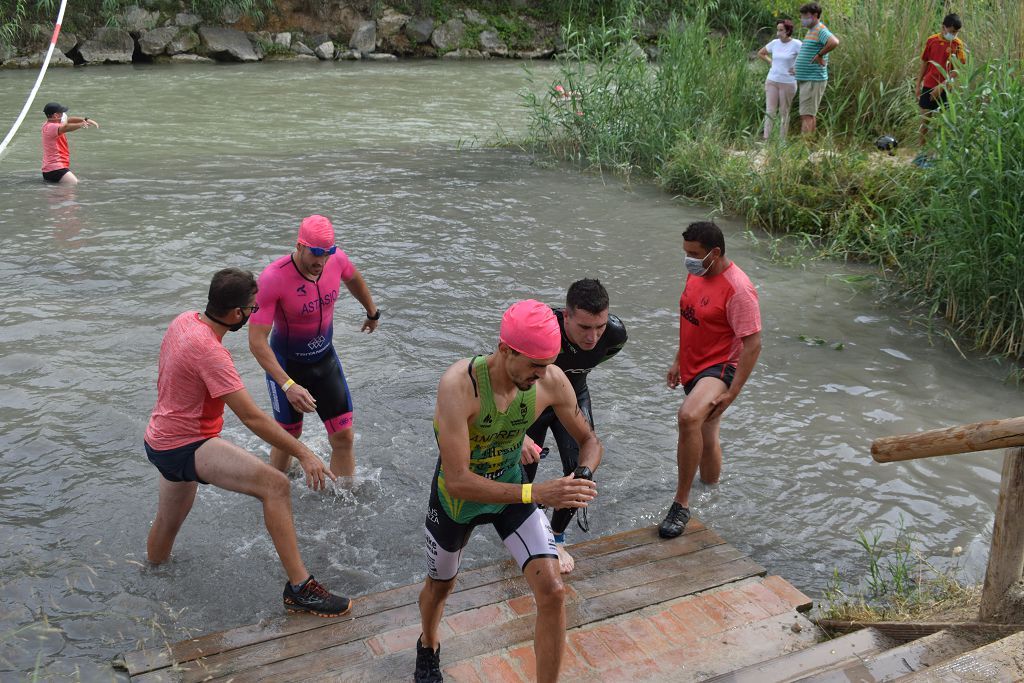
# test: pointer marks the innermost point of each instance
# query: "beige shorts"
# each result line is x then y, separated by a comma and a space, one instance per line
811, 93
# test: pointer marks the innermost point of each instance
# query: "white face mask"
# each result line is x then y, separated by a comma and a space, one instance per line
949, 36
695, 266
64, 118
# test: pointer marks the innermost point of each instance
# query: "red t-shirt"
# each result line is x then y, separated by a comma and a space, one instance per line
939, 51
55, 148
715, 313
195, 371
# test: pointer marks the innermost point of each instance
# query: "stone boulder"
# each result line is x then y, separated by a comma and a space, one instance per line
492, 44
448, 35
187, 20
464, 54
540, 53
350, 55
390, 23
186, 40
34, 61
191, 59
155, 42
108, 45
381, 57
300, 48
324, 50
474, 17
6, 52
135, 19
66, 42
283, 39
419, 29
364, 38
306, 58
227, 44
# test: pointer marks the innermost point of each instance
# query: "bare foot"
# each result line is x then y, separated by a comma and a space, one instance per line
565, 562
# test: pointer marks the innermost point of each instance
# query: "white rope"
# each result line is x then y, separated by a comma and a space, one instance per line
39, 79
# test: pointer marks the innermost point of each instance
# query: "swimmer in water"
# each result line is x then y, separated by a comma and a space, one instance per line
291, 338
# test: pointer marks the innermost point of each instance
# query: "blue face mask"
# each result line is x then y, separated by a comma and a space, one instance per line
807, 23
695, 266
949, 36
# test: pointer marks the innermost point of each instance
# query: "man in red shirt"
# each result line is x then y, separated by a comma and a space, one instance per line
196, 378
719, 342
56, 156
937, 68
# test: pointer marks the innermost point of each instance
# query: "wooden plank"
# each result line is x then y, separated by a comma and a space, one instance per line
1002, 660
142, 661
690, 575
628, 565
1006, 553
848, 648
979, 436
902, 631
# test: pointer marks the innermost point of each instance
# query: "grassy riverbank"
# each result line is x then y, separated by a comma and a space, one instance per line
951, 234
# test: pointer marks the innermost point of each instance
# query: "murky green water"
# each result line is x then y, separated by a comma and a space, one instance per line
196, 168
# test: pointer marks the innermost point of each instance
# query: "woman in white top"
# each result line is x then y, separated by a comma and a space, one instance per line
780, 87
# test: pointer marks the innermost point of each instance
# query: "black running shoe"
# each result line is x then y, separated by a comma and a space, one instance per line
675, 521
316, 599
428, 664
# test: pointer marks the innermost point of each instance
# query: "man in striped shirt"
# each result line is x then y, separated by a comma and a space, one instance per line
812, 65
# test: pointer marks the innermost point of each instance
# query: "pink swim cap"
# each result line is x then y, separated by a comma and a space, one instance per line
316, 231
531, 328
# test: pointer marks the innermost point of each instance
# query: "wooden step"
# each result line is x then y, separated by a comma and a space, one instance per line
1000, 661
905, 658
491, 608
843, 650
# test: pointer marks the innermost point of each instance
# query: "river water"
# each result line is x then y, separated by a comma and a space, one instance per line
200, 167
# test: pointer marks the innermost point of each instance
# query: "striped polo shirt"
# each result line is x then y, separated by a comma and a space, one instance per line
813, 42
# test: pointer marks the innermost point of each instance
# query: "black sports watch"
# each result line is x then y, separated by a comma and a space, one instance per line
375, 316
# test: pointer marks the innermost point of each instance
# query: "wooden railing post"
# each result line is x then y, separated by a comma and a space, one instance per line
1006, 556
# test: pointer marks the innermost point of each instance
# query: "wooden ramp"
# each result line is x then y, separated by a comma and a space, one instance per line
630, 606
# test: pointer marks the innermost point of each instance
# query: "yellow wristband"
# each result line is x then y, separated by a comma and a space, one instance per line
527, 493
287, 385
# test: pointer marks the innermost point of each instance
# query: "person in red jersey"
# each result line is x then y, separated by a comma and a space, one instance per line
719, 342
56, 155
938, 68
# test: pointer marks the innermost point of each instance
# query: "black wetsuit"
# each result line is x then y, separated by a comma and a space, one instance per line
577, 364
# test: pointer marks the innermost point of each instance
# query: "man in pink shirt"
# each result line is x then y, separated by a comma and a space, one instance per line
196, 378
56, 156
292, 338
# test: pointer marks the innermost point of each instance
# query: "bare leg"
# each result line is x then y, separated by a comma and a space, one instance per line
230, 467
690, 445
175, 502
343, 459
432, 599
70, 178
549, 638
280, 460
808, 124
924, 125
711, 455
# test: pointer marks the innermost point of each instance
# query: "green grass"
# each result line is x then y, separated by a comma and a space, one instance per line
951, 235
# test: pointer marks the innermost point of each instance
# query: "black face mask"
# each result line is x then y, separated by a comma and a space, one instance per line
234, 328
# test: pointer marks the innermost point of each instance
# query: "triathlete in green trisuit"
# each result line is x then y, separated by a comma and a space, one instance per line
484, 407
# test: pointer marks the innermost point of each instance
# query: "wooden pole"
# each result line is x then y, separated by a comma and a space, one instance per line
1006, 555
980, 436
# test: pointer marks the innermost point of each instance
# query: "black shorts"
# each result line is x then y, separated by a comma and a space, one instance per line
522, 527
325, 381
177, 464
724, 372
568, 449
930, 103
55, 175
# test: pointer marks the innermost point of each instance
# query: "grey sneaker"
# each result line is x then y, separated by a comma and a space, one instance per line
675, 521
315, 599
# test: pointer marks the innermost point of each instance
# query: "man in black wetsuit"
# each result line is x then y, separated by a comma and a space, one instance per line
590, 336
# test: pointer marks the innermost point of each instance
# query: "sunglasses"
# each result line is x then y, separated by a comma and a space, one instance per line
252, 309
319, 251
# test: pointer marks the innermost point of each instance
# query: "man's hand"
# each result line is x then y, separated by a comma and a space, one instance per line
531, 452
91, 122
300, 398
817, 59
317, 473
672, 377
566, 492
720, 403
369, 325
